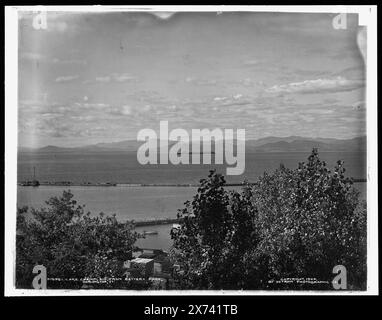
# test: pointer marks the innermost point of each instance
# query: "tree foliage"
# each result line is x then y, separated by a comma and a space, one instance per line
291, 224
70, 243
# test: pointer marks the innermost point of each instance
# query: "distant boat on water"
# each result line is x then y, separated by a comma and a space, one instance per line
34, 182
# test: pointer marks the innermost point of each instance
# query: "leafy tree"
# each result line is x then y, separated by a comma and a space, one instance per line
291, 224
70, 243
311, 220
212, 242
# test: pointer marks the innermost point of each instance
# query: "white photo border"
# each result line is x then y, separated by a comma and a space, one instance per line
367, 18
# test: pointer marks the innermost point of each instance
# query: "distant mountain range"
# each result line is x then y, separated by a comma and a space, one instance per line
290, 144
268, 144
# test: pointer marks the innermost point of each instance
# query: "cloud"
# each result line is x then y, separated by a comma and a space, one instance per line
32, 56
355, 72
87, 105
121, 111
114, 77
35, 56
60, 22
220, 98
164, 15
306, 118
103, 79
236, 101
122, 77
209, 82
247, 82
32, 102
201, 82
126, 110
338, 84
67, 78
250, 63
189, 79
349, 119
320, 111
69, 61
57, 26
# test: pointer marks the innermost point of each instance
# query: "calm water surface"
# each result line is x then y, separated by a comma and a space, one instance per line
123, 167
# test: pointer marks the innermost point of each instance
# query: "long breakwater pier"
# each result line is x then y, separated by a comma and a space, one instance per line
154, 222
36, 183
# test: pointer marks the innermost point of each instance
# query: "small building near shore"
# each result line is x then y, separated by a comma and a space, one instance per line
140, 267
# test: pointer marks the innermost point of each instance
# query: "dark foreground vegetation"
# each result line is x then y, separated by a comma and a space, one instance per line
291, 224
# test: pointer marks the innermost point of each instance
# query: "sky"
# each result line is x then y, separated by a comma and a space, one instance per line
101, 77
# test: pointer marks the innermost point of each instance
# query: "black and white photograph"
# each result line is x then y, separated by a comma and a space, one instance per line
191, 150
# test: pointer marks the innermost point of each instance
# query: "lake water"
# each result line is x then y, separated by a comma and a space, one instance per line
128, 203
141, 203
123, 167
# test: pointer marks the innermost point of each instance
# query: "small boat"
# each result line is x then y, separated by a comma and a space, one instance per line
33, 183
